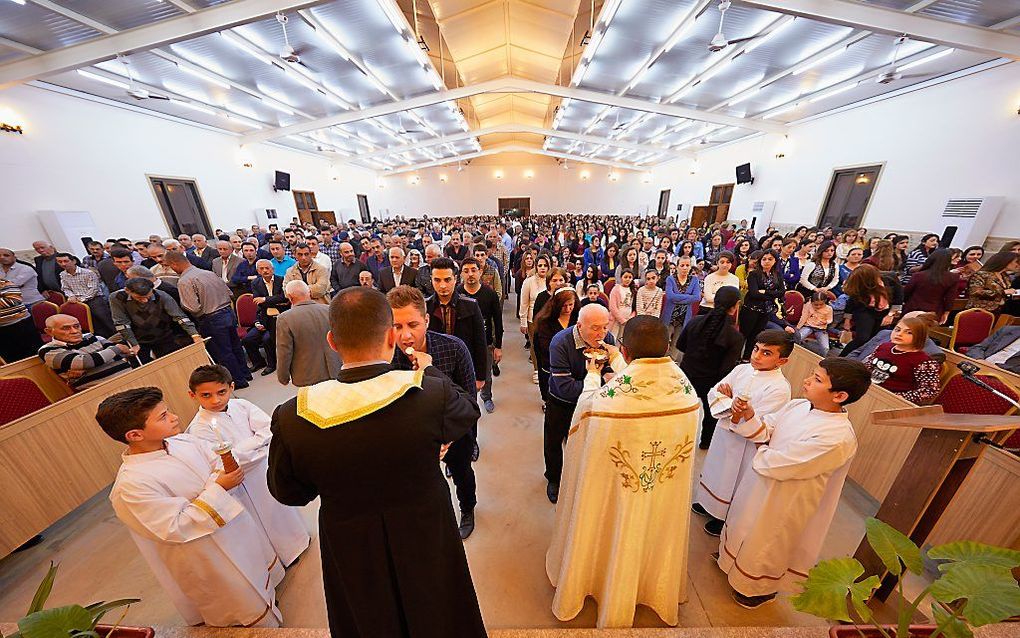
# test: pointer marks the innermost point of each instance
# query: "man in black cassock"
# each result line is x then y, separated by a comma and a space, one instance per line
368, 444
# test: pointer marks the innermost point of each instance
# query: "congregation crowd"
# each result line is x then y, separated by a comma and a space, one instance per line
592, 294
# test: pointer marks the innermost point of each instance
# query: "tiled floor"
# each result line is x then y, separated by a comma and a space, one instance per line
98, 560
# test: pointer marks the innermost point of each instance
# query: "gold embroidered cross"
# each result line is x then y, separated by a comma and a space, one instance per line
653, 454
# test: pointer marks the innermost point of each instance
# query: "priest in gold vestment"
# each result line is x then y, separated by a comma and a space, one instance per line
625, 496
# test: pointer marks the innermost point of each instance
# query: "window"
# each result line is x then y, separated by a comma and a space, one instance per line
181, 206
849, 196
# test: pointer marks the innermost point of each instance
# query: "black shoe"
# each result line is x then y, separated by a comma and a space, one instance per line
704, 445
256, 367
475, 452
495, 369
752, 602
241, 385
699, 510
30, 543
268, 371
467, 524
714, 527
552, 491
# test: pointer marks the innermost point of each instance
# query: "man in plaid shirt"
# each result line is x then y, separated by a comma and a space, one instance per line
82, 285
451, 357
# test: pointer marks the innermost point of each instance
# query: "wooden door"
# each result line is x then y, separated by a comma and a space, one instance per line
721, 194
514, 206
848, 197
305, 203
702, 214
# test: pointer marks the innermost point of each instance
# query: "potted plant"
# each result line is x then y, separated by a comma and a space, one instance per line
975, 586
74, 621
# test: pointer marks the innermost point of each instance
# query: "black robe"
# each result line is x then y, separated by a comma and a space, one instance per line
393, 562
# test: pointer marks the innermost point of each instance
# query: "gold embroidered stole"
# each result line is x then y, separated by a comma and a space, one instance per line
333, 403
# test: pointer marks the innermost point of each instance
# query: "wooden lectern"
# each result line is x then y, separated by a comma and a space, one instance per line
941, 458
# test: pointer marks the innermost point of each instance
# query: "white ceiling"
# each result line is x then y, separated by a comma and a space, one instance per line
360, 54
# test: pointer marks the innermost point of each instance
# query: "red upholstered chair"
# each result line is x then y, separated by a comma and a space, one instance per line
960, 396
42, 311
19, 396
970, 327
247, 312
695, 307
608, 286
793, 306
605, 298
79, 311
53, 296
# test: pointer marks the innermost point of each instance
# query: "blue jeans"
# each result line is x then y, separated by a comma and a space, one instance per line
821, 336
224, 345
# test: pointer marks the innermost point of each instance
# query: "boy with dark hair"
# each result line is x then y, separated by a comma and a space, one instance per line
242, 425
783, 507
760, 382
172, 493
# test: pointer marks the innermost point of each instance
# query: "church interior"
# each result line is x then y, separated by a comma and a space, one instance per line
848, 166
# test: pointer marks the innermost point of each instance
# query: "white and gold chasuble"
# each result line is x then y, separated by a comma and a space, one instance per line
331, 403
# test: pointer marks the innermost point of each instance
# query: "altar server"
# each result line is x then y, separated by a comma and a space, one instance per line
622, 520
171, 492
245, 427
729, 455
782, 509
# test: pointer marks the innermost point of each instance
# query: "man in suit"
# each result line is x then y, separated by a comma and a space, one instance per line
267, 290
46, 266
202, 249
225, 265
1001, 348
397, 273
329, 443
302, 354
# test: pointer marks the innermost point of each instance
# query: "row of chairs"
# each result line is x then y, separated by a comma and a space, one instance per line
43, 310
20, 396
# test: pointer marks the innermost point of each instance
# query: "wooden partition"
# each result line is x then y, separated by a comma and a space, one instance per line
33, 367
986, 508
55, 459
881, 449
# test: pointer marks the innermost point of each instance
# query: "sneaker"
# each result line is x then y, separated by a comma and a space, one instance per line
490, 407
552, 491
495, 369
467, 524
752, 602
699, 510
475, 451
714, 527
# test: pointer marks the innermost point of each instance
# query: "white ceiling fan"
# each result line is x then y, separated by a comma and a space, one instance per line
134, 91
891, 74
719, 41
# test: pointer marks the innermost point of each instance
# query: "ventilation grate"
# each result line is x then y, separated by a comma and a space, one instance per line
962, 208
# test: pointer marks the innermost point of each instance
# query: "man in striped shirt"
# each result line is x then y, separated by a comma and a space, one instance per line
82, 359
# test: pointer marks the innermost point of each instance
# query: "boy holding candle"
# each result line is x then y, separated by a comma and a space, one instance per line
243, 427
204, 547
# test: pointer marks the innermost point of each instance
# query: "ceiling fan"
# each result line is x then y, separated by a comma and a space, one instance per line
719, 41
403, 130
288, 53
891, 74
138, 92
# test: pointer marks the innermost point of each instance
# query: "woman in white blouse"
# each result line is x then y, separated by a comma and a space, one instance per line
821, 274
529, 291
718, 279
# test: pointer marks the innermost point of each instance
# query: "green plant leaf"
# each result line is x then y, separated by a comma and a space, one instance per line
99, 610
952, 627
892, 546
43, 591
990, 593
827, 586
972, 553
60, 621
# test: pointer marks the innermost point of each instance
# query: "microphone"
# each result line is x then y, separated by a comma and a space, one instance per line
970, 370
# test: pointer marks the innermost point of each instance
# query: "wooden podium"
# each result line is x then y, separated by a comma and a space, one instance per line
940, 460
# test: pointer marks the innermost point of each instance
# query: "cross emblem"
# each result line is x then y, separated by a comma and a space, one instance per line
653, 454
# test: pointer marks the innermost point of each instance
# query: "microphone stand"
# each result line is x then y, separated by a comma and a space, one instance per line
969, 369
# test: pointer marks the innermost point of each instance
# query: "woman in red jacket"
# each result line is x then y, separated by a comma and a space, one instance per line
934, 287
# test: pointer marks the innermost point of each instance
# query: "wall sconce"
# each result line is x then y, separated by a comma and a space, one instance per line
694, 166
585, 175
529, 174
443, 177
10, 121
11, 128
862, 179
646, 178
244, 158
413, 180
498, 174
781, 148
333, 174
613, 176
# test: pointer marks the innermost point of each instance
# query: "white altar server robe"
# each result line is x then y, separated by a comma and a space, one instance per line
782, 510
202, 545
624, 503
246, 427
729, 455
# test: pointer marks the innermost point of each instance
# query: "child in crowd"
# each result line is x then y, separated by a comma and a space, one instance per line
622, 302
716, 280
815, 320
784, 504
901, 364
760, 383
206, 550
242, 424
650, 296
592, 296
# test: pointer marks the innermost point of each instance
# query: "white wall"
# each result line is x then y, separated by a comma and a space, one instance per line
959, 138
476, 190
80, 155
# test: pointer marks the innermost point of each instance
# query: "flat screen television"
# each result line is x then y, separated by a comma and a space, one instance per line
282, 181
744, 174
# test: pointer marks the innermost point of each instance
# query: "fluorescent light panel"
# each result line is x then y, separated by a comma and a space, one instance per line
103, 79
822, 60
925, 60
202, 75
827, 94
193, 106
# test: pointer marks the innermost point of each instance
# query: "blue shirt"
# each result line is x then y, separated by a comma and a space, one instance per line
280, 267
449, 355
244, 270
567, 364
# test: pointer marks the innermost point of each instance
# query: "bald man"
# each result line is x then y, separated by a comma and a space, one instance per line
82, 359
398, 273
346, 270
